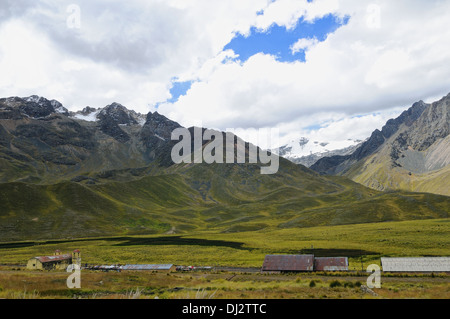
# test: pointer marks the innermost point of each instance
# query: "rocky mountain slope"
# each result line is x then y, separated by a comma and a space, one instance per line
410, 153
41, 142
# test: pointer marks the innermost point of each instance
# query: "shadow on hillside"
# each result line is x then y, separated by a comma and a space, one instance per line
138, 241
320, 252
177, 240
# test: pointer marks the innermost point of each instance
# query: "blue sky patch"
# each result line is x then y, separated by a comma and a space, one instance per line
178, 89
277, 40
314, 127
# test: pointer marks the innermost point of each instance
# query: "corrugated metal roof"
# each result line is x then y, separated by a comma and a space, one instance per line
288, 263
47, 259
107, 267
331, 263
147, 267
419, 264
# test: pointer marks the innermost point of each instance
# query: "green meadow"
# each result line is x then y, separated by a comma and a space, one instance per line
364, 243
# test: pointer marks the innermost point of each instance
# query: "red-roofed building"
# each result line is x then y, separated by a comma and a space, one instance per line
331, 264
303, 263
57, 261
288, 263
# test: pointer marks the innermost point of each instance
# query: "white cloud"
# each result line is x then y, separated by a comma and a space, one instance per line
303, 44
359, 69
287, 12
352, 128
131, 54
18, 62
389, 68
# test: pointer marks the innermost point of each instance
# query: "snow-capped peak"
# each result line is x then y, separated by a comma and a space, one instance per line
43, 102
306, 152
59, 108
33, 98
303, 147
115, 112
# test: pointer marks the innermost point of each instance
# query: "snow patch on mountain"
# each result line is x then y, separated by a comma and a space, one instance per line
89, 117
304, 147
306, 152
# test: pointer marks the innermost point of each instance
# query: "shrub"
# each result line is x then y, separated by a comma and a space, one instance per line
348, 284
335, 283
312, 284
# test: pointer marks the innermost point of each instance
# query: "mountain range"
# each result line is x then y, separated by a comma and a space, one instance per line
411, 152
109, 171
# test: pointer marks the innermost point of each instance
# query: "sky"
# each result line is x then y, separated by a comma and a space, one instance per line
323, 69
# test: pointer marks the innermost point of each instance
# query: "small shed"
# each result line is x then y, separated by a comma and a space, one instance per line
159, 268
50, 262
288, 263
416, 264
331, 264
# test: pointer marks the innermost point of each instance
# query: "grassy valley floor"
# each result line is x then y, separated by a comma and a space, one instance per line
364, 244
20, 284
368, 242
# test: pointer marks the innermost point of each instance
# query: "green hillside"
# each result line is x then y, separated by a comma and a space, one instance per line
220, 198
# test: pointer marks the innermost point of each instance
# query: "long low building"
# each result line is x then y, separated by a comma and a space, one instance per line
288, 263
162, 268
141, 267
416, 264
331, 264
303, 263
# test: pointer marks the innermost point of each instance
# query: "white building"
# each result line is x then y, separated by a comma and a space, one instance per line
419, 264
